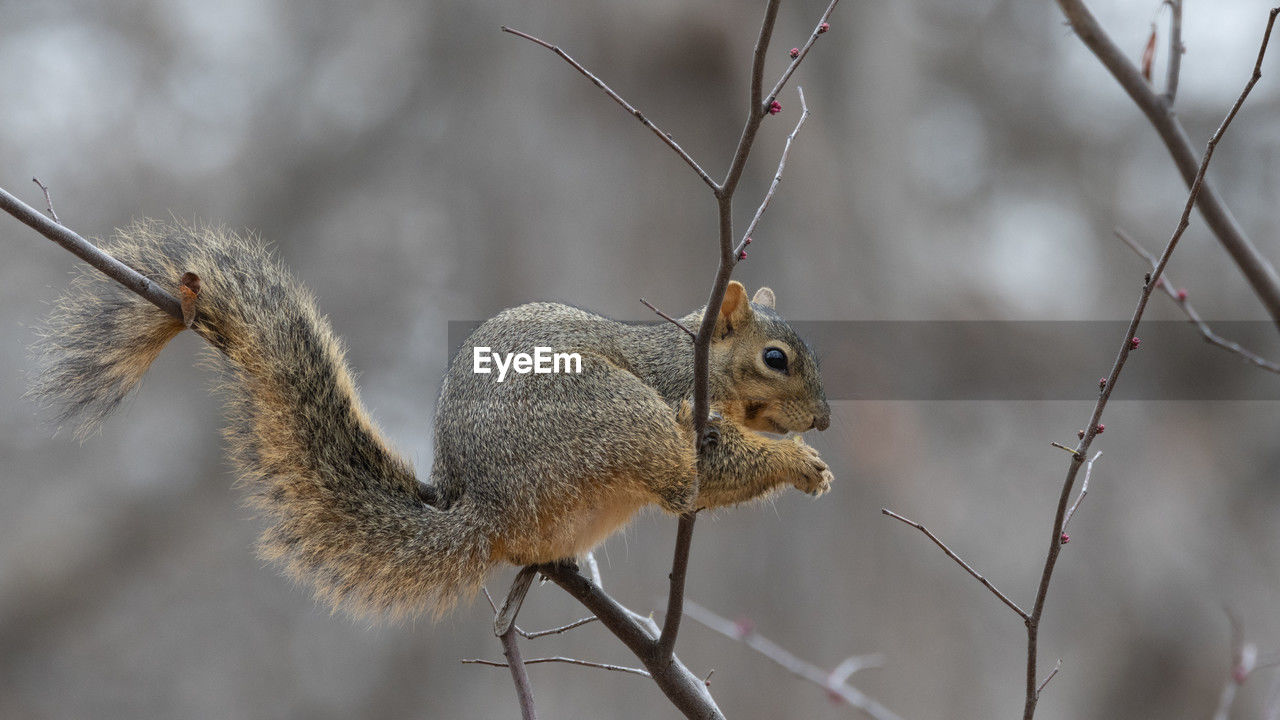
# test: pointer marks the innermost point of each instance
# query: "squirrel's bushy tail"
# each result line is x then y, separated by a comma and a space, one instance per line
347, 514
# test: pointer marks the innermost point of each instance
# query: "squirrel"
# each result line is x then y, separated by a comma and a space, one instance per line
535, 469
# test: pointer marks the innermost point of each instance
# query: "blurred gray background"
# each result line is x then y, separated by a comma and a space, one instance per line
966, 160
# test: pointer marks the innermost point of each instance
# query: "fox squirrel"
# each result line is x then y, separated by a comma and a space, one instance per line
534, 469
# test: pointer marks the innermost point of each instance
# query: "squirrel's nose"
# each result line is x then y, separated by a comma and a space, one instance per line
822, 416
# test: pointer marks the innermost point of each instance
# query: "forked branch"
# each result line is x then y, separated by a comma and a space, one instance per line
1258, 271
1129, 344
1180, 297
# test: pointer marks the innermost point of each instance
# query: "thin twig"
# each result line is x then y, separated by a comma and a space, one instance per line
566, 660
1175, 50
539, 633
1258, 271
48, 201
777, 176
834, 681
1060, 446
960, 561
1193, 317
557, 630
1052, 673
1084, 490
662, 134
670, 319
1055, 539
128, 277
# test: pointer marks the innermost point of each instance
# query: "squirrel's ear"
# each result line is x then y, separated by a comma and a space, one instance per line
734, 310
764, 296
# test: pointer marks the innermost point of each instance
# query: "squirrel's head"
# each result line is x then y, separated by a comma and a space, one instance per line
772, 374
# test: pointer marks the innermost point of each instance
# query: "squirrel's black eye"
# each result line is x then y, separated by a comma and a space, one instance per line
776, 359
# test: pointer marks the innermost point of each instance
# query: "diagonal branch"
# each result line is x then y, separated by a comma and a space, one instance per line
87, 251
835, 682
1257, 270
669, 319
1180, 298
960, 561
662, 135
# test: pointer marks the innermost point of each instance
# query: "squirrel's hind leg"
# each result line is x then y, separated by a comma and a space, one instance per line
606, 445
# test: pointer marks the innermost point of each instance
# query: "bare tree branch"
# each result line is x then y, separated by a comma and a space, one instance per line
662, 134
87, 251
834, 681
1180, 297
48, 201
557, 630
960, 561
1084, 490
669, 319
561, 659
1052, 674
1129, 344
777, 178
1259, 272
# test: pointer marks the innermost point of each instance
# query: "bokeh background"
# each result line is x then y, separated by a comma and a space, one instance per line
966, 160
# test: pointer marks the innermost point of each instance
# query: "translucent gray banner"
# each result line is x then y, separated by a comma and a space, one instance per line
1032, 360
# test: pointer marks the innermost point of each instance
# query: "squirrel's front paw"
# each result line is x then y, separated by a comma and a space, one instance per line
812, 474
